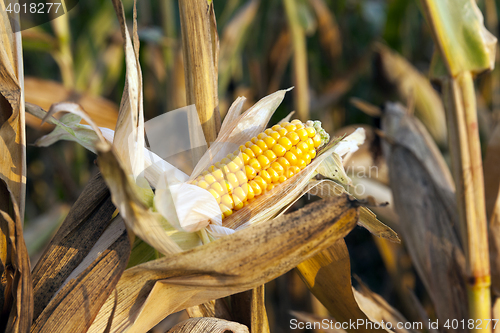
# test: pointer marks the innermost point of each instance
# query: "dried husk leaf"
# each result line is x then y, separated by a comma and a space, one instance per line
232, 264
249, 309
208, 325
412, 85
83, 244
126, 195
44, 93
424, 200
378, 310
328, 276
15, 284
12, 131
129, 131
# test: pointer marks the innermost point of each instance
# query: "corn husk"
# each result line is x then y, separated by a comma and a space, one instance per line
214, 270
209, 325
81, 264
424, 200
16, 302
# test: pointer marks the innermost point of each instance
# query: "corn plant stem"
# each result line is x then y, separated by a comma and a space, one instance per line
299, 59
199, 66
467, 169
63, 55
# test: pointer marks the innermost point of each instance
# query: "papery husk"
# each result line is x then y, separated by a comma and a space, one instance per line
126, 195
424, 200
249, 309
208, 325
15, 284
81, 264
232, 264
129, 131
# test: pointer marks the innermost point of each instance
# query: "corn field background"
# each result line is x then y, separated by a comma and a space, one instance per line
396, 220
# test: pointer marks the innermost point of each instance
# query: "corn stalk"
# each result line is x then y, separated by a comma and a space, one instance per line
466, 48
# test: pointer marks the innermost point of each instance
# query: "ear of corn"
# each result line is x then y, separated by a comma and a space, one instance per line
265, 161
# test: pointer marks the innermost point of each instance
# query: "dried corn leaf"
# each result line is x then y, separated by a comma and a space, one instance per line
492, 171
424, 200
494, 243
44, 93
85, 243
12, 131
412, 85
232, 264
249, 309
208, 325
328, 276
378, 310
460, 35
16, 292
129, 131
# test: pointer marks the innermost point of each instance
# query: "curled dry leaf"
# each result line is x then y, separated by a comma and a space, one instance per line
82, 263
424, 200
208, 325
232, 264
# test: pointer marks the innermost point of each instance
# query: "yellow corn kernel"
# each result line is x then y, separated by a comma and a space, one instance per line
269, 141
242, 148
282, 179
275, 135
215, 195
270, 187
256, 150
238, 204
307, 158
303, 146
294, 137
284, 162
302, 133
301, 163
285, 142
276, 128
248, 190
233, 180
298, 126
217, 187
203, 184
312, 152
289, 173
262, 145
242, 177
204, 173
264, 161
245, 158
273, 174
295, 169
290, 128
317, 141
210, 179
269, 131
279, 150
227, 201
225, 160
296, 122
240, 194
310, 143
239, 161
278, 168
250, 172
282, 131
233, 167
261, 182
225, 210
255, 187
297, 152
291, 158
218, 174
311, 132
249, 152
248, 144
284, 124
212, 168
261, 136
254, 139
254, 163
270, 155
266, 176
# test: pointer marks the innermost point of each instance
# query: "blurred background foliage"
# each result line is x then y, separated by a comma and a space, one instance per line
79, 57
